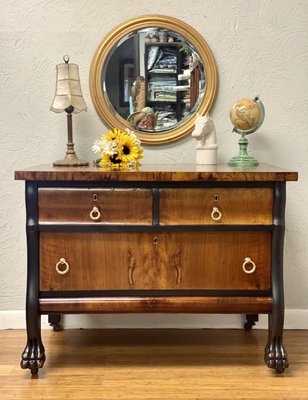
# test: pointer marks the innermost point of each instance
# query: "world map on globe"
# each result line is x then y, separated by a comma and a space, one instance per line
245, 114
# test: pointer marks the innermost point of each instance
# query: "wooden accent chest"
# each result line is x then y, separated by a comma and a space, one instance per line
173, 239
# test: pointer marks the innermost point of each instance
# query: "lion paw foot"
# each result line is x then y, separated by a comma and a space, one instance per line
33, 357
276, 356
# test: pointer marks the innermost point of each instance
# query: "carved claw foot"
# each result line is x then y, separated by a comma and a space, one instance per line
275, 355
33, 356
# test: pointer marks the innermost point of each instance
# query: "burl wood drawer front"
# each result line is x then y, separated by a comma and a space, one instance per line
216, 206
190, 260
105, 206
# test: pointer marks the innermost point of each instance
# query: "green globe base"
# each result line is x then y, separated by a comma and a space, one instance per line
243, 159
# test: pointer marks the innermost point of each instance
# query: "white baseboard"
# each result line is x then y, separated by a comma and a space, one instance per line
294, 319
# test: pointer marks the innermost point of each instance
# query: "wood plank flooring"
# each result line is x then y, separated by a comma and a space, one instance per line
153, 364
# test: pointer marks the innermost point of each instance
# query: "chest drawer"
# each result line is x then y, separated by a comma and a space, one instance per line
100, 206
177, 260
216, 206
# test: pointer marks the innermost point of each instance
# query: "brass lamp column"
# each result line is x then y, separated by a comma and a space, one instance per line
68, 98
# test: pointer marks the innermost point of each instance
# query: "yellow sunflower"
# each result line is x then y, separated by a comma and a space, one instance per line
114, 134
129, 149
120, 150
110, 161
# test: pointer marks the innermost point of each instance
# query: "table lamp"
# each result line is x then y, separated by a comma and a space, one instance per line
68, 98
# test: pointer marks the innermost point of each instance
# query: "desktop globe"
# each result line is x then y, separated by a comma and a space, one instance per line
247, 115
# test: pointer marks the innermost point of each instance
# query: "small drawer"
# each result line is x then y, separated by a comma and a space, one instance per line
99, 206
216, 206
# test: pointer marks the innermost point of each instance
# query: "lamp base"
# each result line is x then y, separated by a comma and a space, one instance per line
70, 160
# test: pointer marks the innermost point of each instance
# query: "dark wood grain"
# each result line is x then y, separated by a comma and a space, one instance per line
159, 172
237, 206
172, 260
116, 206
166, 304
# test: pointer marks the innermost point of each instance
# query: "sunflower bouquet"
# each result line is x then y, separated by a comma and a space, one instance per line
119, 150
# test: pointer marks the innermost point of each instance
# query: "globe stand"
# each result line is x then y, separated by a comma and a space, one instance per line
243, 159
242, 110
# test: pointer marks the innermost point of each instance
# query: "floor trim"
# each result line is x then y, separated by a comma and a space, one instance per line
294, 319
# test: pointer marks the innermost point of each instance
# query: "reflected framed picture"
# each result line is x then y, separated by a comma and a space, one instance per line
127, 78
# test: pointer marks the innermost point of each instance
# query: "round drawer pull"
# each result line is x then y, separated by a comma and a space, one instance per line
64, 271
248, 261
95, 214
216, 214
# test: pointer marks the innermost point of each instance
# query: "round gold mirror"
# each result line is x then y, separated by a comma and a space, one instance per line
152, 74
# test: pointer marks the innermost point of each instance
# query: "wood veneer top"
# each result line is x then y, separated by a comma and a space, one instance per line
158, 172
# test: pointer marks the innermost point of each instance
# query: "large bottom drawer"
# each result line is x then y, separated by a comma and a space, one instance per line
121, 261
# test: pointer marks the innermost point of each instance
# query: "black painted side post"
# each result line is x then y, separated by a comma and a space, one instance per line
33, 356
275, 354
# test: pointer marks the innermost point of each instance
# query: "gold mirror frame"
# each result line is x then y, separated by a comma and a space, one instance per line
100, 99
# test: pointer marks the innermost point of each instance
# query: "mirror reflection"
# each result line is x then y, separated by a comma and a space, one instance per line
154, 79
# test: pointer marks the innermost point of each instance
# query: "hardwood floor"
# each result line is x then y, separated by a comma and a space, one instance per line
153, 364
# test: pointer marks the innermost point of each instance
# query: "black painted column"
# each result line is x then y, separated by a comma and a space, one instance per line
33, 356
275, 354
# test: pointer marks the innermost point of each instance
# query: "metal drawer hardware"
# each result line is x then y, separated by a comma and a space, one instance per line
94, 197
215, 214
247, 262
64, 271
95, 214
155, 240
216, 197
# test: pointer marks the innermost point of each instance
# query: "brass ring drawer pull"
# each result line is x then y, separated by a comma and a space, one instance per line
216, 214
95, 214
64, 271
248, 261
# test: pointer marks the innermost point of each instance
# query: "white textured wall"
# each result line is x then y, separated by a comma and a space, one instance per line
261, 47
